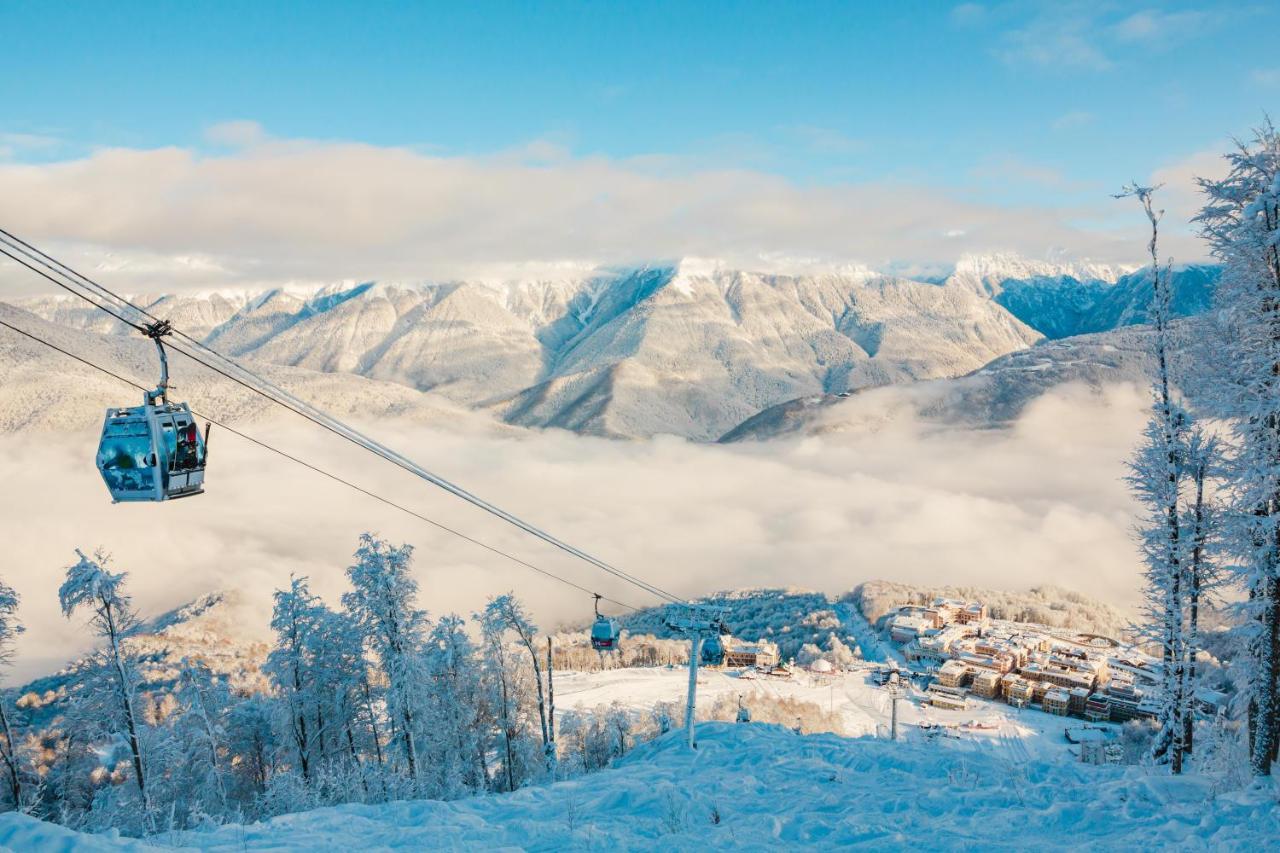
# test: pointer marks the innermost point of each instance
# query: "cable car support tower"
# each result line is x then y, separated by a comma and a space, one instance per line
698, 622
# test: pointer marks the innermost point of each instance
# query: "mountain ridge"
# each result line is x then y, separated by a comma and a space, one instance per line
692, 347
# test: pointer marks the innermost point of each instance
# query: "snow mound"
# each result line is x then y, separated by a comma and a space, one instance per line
760, 787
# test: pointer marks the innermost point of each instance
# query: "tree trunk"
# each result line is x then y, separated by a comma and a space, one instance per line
410, 745
10, 759
373, 720
126, 702
506, 727
1265, 729
1196, 582
537, 678
355, 758
551, 704
1265, 702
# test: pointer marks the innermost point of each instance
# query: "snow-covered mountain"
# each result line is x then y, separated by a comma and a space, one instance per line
692, 348
221, 634
43, 389
1061, 300
991, 396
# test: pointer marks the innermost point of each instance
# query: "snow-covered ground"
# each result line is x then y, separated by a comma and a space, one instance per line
863, 707
761, 787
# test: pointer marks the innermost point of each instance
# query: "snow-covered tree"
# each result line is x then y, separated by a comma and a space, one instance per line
382, 602
251, 741
10, 628
91, 586
507, 611
187, 782
295, 621
1156, 476
1241, 221
338, 662
454, 713
1200, 462
504, 681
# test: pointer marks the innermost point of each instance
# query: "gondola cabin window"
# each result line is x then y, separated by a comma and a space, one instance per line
126, 456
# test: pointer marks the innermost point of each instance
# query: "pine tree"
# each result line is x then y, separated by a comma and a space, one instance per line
1241, 221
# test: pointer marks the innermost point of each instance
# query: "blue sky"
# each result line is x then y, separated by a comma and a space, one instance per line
1041, 105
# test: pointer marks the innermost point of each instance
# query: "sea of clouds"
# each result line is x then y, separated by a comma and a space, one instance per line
878, 494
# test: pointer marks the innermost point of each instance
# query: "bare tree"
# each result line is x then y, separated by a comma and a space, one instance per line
1156, 476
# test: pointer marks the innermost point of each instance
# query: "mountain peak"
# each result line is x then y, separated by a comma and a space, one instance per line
996, 267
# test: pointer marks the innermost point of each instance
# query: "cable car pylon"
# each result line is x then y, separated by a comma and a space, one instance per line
698, 622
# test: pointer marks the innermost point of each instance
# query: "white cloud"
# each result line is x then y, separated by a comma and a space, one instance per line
1090, 37
1154, 26
285, 210
1060, 37
1002, 171
824, 140
968, 14
13, 144
1072, 120
1179, 194
889, 497
1265, 76
235, 134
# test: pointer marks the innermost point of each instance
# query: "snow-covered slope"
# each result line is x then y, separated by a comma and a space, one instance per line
760, 787
43, 389
991, 396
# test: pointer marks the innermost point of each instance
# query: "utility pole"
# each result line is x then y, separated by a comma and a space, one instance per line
893, 714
